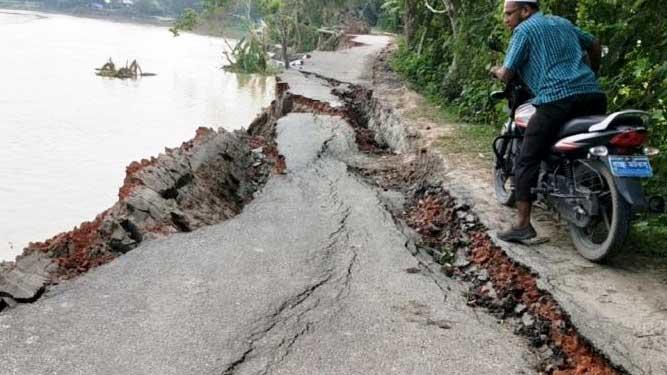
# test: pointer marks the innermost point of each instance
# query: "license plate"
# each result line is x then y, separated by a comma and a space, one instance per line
630, 166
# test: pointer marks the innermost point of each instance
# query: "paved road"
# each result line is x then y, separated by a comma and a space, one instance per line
310, 279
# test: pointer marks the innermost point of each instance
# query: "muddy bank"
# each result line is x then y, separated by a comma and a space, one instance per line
205, 181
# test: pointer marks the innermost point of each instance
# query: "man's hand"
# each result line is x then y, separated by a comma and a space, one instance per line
494, 71
502, 74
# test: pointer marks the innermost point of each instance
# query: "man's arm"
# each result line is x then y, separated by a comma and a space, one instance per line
515, 57
593, 48
595, 55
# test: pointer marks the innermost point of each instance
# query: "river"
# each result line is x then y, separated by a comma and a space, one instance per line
66, 135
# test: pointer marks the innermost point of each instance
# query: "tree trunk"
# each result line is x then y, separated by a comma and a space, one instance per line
410, 20
452, 9
284, 42
451, 83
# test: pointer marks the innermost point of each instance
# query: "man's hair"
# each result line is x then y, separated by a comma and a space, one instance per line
529, 4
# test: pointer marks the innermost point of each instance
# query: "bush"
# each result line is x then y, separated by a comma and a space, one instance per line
634, 71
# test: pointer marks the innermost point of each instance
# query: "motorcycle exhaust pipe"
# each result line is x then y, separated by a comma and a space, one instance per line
656, 205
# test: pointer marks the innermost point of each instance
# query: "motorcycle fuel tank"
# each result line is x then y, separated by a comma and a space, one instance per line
523, 114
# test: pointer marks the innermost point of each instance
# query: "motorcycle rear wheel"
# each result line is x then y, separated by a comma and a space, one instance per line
603, 238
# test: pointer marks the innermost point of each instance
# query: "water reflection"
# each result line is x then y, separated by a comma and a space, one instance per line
256, 84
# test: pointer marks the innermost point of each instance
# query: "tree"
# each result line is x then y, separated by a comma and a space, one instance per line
281, 20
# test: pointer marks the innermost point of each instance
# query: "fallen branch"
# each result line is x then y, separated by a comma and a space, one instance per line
436, 11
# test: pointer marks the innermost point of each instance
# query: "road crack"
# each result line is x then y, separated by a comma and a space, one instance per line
284, 318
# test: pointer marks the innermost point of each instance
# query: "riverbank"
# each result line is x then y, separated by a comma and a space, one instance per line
85, 12
56, 144
122, 16
382, 259
314, 276
206, 180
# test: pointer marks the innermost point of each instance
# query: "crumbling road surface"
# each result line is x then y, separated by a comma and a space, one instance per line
621, 307
313, 277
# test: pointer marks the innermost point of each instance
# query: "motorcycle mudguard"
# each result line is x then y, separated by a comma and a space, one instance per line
631, 190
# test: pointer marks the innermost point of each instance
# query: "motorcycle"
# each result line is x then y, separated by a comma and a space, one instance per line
592, 176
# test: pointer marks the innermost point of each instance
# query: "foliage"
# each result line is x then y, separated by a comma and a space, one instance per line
649, 236
249, 56
149, 7
389, 17
293, 24
186, 21
634, 71
634, 67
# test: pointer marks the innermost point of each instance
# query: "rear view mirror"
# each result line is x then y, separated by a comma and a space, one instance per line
494, 43
497, 95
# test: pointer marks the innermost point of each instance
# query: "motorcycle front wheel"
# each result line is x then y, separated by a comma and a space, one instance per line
603, 238
502, 182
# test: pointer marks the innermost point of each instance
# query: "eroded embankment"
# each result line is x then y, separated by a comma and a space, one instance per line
451, 234
205, 181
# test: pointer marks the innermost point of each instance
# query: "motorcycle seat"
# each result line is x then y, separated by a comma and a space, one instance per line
579, 125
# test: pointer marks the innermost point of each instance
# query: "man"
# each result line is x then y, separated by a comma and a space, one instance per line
557, 61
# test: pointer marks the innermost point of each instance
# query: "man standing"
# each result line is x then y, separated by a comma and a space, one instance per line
557, 61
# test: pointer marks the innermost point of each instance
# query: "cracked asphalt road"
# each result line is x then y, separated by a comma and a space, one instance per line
313, 277
310, 278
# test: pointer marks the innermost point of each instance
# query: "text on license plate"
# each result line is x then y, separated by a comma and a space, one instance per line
630, 166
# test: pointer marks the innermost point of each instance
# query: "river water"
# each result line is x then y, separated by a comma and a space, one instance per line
67, 135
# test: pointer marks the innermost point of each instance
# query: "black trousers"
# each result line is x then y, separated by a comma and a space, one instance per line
543, 129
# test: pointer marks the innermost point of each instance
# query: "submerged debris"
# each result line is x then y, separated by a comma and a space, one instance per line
133, 70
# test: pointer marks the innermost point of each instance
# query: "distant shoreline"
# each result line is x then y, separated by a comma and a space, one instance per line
82, 12
110, 15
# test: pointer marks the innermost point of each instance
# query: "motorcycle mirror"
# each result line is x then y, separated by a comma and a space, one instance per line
497, 95
494, 43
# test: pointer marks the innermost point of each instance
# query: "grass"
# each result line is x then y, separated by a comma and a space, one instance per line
649, 236
477, 138
464, 138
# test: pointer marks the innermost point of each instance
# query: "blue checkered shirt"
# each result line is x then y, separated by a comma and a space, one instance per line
548, 54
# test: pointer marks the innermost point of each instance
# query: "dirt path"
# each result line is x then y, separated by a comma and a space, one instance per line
621, 308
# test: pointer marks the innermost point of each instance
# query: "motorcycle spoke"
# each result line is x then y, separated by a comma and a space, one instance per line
605, 219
